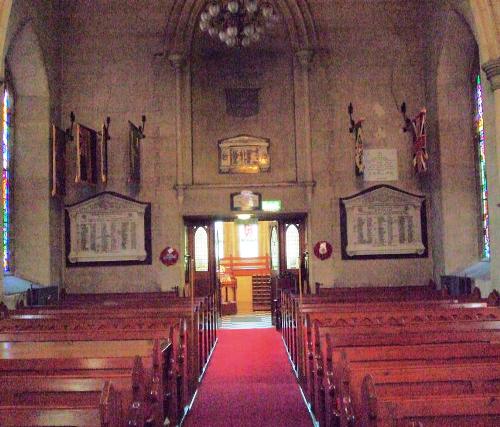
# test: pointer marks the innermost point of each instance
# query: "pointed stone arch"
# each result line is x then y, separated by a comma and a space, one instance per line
182, 21
31, 159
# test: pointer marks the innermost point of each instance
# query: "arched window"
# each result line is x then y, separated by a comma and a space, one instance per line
219, 240
481, 168
7, 109
275, 249
201, 249
292, 247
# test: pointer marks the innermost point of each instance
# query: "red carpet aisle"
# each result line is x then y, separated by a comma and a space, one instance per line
249, 382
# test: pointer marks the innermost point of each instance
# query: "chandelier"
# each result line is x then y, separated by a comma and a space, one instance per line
237, 22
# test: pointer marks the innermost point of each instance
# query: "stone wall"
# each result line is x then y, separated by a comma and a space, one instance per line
373, 54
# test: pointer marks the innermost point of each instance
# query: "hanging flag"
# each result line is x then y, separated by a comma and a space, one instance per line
357, 129
134, 149
86, 155
104, 152
58, 161
416, 127
420, 155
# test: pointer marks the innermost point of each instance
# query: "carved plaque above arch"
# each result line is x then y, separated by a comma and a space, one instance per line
244, 154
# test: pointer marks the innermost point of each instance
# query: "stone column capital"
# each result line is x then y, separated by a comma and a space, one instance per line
305, 57
492, 70
177, 60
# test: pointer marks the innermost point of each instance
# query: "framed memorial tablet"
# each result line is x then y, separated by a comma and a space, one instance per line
108, 229
383, 222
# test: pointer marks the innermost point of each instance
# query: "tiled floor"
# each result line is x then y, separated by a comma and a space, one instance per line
257, 320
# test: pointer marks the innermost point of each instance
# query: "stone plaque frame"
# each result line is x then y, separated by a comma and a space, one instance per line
398, 224
244, 154
126, 242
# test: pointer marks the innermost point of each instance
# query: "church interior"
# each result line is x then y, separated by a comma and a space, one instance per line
250, 213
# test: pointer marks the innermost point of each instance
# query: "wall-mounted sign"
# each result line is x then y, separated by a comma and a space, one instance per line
383, 222
271, 205
244, 154
246, 201
169, 256
323, 250
108, 229
381, 164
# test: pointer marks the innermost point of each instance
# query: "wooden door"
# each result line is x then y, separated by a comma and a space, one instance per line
201, 248
292, 234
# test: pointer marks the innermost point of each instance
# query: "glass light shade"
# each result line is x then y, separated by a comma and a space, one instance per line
238, 22
233, 6
255, 37
214, 9
267, 11
232, 31
248, 30
252, 6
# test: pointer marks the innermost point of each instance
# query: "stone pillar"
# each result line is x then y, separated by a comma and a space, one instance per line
177, 61
303, 119
492, 70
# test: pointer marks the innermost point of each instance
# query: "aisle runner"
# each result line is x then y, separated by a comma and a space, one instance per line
249, 382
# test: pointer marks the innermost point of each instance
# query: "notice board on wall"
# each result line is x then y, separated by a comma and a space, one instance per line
383, 222
108, 229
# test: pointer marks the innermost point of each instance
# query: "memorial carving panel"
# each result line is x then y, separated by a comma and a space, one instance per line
383, 222
108, 229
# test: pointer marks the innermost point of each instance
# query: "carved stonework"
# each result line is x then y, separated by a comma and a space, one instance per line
244, 154
492, 70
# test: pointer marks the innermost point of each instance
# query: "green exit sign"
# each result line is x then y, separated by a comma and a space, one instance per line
271, 205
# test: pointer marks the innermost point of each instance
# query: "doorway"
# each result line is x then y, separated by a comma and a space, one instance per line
244, 258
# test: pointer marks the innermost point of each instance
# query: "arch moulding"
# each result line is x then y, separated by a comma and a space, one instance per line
181, 27
183, 19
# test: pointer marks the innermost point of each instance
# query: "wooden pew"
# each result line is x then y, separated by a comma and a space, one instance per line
482, 409
113, 360
376, 313
419, 378
323, 384
118, 323
206, 311
52, 402
172, 364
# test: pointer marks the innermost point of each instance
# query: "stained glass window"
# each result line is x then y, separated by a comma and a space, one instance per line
483, 181
6, 142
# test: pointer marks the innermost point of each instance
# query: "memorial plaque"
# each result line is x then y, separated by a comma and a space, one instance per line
244, 154
108, 229
381, 164
383, 222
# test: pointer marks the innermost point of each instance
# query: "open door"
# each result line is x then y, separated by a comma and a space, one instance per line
201, 248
